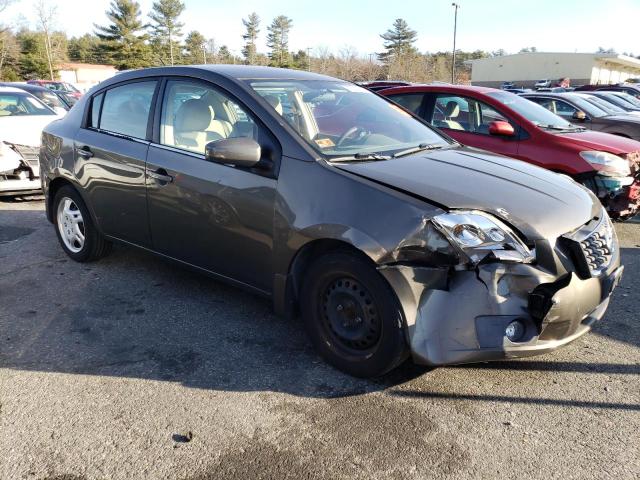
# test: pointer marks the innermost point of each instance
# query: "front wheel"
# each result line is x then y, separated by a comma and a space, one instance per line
353, 316
76, 232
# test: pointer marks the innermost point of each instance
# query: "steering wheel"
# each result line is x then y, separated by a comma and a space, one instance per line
349, 133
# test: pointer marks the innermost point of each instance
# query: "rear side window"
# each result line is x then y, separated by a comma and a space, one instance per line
410, 101
96, 104
125, 109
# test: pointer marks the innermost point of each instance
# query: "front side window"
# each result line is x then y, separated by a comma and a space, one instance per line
125, 109
14, 104
410, 101
536, 111
465, 114
194, 114
339, 119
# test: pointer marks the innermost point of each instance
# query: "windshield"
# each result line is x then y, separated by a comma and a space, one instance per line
603, 104
50, 99
340, 119
13, 104
627, 98
536, 114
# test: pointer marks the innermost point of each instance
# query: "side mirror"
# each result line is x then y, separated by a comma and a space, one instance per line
501, 128
579, 115
240, 151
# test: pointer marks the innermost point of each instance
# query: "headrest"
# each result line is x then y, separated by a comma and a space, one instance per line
193, 115
452, 109
275, 102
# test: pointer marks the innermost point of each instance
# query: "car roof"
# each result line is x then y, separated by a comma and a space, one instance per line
235, 72
440, 88
11, 89
28, 87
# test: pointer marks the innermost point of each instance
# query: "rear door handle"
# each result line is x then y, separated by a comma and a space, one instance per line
160, 175
85, 152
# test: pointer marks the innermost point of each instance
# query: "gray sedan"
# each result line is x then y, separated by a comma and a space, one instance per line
388, 238
577, 108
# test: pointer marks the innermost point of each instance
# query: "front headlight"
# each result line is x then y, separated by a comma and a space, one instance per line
478, 234
607, 163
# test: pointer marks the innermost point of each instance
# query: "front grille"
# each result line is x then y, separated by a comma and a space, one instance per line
592, 246
30, 154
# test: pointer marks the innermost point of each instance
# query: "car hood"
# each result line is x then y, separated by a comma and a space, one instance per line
24, 130
539, 203
606, 142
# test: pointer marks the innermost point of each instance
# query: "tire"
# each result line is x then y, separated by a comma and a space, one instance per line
352, 315
75, 229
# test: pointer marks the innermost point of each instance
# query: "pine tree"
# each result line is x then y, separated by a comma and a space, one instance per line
194, 48
278, 40
252, 24
166, 28
124, 40
398, 42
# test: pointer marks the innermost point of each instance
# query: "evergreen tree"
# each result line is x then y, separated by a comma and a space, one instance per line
194, 48
166, 28
252, 24
86, 49
123, 40
398, 42
278, 40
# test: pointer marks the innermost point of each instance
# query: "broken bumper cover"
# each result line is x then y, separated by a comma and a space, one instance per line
461, 316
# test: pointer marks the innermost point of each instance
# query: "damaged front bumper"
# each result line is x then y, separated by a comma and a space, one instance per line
19, 169
461, 316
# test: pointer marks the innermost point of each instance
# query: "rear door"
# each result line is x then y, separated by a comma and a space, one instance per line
111, 151
214, 216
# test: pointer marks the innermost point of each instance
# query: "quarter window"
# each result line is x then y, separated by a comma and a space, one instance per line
194, 114
96, 104
125, 109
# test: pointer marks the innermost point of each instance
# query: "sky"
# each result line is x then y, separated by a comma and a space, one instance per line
569, 25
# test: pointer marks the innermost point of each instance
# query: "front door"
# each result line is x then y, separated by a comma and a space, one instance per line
210, 215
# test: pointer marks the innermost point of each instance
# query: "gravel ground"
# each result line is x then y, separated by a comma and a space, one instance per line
132, 368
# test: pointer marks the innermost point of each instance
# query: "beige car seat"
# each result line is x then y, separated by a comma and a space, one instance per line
220, 127
451, 112
191, 124
275, 102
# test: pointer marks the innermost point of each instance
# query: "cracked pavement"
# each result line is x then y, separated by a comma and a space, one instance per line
134, 368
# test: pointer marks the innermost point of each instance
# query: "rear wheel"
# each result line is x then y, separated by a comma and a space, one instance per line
352, 315
75, 230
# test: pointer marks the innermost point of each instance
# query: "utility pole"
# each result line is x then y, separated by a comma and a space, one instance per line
204, 53
455, 26
308, 59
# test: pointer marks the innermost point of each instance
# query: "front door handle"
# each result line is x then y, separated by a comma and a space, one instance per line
85, 152
160, 175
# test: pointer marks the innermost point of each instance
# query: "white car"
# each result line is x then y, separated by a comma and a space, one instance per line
22, 118
545, 83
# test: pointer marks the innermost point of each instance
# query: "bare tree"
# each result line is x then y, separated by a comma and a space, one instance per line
46, 15
4, 4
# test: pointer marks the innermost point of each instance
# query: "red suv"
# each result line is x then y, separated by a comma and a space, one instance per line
505, 123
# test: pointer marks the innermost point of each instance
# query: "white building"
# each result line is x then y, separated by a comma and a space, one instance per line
85, 75
525, 69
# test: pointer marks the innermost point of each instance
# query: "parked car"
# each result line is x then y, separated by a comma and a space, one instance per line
508, 124
507, 85
626, 102
630, 88
545, 83
390, 238
49, 97
22, 118
65, 87
609, 107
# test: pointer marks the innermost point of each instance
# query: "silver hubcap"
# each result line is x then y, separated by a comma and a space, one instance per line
70, 225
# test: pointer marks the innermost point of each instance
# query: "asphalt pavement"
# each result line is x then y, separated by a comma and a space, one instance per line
133, 368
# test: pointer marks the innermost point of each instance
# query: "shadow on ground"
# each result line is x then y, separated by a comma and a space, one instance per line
134, 315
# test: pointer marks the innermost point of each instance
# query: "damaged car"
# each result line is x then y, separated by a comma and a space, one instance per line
501, 122
387, 237
22, 118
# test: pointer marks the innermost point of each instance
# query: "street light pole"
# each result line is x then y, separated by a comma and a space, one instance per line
309, 59
455, 26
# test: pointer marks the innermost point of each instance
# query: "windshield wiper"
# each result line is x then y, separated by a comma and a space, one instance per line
361, 157
419, 148
572, 128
